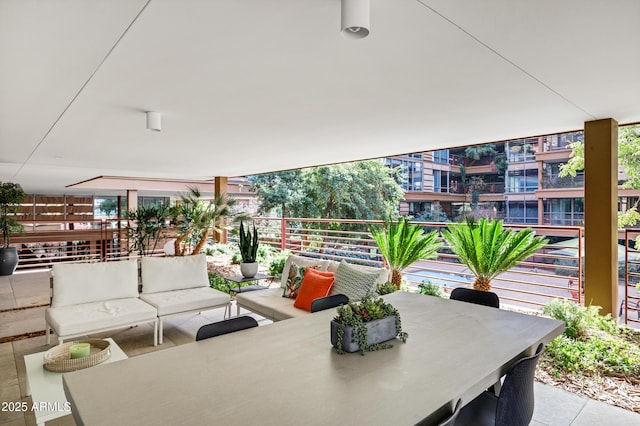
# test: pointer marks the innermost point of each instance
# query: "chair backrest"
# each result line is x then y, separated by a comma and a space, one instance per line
329, 302
479, 297
516, 400
451, 419
224, 327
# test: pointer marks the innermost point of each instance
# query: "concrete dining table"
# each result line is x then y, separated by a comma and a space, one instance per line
287, 373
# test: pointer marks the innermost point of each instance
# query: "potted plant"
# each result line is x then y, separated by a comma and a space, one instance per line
488, 249
11, 195
248, 244
364, 326
402, 243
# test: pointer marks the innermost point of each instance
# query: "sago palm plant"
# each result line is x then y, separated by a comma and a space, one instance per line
488, 249
402, 243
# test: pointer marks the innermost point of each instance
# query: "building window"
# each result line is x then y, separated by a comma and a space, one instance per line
441, 156
525, 212
440, 181
561, 141
522, 180
522, 150
564, 211
410, 171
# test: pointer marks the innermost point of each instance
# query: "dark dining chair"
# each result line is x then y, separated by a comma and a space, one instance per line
329, 302
514, 406
450, 420
479, 297
224, 327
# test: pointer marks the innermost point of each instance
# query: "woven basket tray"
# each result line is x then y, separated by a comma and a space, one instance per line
58, 359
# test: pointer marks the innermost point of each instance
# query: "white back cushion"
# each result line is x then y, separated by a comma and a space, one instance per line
92, 282
301, 261
382, 278
174, 273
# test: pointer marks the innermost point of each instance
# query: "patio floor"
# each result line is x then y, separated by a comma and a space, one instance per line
554, 407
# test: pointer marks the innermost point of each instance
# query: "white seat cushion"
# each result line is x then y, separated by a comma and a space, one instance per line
173, 273
94, 316
78, 283
270, 304
191, 299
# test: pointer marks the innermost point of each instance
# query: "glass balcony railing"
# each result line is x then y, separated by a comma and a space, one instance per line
554, 181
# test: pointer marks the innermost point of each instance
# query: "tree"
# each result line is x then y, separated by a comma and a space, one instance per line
435, 214
628, 157
489, 250
279, 190
402, 243
144, 226
108, 206
196, 218
360, 190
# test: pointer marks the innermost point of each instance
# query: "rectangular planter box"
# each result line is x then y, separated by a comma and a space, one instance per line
378, 331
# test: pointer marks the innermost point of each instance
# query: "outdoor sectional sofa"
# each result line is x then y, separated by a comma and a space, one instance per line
354, 283
90, 298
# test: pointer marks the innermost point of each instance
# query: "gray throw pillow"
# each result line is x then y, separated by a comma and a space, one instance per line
353, 282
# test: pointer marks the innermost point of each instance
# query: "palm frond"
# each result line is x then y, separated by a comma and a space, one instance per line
488, 249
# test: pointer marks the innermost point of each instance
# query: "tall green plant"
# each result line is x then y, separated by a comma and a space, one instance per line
488, 249
248, 244
196, 218
11, 194
144, 227
402, 243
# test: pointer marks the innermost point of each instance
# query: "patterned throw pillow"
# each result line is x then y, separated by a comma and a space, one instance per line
294, 280
353, 282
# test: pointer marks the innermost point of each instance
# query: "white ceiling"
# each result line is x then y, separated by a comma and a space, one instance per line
251, 86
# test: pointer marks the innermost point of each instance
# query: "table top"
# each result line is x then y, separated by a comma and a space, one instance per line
288, 373
242, 279
45, 386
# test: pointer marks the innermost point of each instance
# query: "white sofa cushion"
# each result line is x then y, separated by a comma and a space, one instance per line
97, 316
191, 299
381, 279
270, 304
355, 282
301, 261
173, 273
91, 282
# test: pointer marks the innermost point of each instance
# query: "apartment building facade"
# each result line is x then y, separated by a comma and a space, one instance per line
518, 181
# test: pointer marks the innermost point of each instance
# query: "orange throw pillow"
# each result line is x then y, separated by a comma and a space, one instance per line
315, 284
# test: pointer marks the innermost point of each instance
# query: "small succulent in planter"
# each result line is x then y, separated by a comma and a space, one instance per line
365, 325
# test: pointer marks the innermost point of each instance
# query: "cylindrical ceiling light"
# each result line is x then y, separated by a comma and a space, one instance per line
355, 18
154, 121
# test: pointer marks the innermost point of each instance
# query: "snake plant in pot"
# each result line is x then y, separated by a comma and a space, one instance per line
248, 244
11, 195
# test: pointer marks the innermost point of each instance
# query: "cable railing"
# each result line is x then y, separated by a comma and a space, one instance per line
553, 272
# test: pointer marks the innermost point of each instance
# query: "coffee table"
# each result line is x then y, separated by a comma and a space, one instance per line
239, 279
45, 387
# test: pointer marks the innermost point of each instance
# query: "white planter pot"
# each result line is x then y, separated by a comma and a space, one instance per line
249, 270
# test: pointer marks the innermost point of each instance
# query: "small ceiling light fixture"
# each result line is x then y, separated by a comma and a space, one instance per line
355, 18
154, 121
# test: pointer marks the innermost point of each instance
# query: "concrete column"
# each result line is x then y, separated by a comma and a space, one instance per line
601, 214
220, 187
132, 199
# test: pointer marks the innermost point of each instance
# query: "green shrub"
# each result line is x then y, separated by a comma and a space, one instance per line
276, 266
606, 355
218, 282
578, 319
430, 289
386, 288
575, 317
